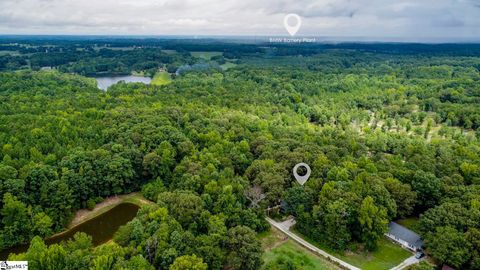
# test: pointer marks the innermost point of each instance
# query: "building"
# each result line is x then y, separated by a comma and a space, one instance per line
404, 236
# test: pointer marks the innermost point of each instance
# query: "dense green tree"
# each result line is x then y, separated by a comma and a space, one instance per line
37, 176
373, 222
153, 189
428, 188
15, 220
338, 218
362, 116
403, 195
297, 199
243, 248
188, 263
449, 246
185, 207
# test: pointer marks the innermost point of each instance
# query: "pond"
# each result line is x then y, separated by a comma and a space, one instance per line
101, 228
105, 82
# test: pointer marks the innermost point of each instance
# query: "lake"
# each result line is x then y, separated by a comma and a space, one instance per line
105, 82
101, 228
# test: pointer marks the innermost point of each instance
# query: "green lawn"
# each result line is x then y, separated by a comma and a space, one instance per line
410, 223
291, 253
280, 251
161, 78
205, 55
386, 256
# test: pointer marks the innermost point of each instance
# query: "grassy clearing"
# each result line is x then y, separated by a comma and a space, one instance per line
205, 55
98, 48
107, 204
281, 251
161, 78
291, 253
139, 73
169, 51
228, 65
12, 53
271, 239
386, 256
410, 223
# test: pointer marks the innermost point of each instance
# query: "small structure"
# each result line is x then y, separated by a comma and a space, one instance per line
404, 237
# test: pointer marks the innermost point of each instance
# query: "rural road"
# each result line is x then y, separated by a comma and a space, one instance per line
285, 228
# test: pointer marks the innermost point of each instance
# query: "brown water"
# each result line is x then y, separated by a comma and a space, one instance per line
101, 228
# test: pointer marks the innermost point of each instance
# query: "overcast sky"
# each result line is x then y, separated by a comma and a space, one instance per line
378, 19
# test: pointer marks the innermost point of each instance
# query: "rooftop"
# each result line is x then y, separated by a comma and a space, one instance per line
405, 234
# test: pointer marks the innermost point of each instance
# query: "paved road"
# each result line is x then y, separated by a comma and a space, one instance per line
285, 228
409, 261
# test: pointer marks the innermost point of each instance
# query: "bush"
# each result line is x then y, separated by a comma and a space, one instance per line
91, 204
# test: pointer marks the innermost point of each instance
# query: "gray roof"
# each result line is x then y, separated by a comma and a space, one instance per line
405, 234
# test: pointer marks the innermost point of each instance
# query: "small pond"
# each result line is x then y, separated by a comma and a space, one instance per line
101, 228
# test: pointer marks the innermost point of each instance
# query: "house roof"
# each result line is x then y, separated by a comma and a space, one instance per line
405, 234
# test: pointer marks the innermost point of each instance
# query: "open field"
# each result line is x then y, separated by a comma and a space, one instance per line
98, 48
291, 253
281, 251
169, 51
386, 256
228, 65
205, 55
12, 53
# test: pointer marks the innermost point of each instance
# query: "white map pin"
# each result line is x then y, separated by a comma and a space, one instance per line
301, 179
292, 29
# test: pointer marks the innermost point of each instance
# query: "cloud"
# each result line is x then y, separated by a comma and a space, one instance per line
402, 19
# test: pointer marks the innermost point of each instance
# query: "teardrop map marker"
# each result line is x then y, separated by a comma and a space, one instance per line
301, 179
292, 29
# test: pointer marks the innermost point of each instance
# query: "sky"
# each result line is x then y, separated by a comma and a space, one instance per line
414, 20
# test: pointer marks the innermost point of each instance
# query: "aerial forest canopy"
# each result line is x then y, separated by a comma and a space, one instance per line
387, 136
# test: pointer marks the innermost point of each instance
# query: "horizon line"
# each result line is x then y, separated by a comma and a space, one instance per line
322, 39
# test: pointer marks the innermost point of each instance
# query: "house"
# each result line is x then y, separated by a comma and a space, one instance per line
404, 236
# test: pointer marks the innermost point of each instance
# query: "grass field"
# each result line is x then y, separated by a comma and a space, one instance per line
281, 252
228, 65
386, 256
205, 55
291, 253
12, 53
169, 51
98, 48
161, 78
